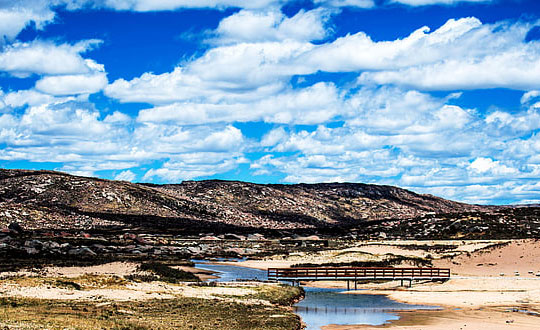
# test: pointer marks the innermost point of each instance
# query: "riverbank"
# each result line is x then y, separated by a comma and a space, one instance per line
453, 319
489, 278
119, 296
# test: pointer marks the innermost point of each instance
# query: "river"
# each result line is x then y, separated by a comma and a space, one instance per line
324, 306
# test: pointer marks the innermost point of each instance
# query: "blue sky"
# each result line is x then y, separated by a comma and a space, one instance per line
437, 96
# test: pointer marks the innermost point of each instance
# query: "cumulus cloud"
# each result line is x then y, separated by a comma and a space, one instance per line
435, 2
75, 134
251, 26
195, 165
347, 3
21, 98
312, 105
16, 15
157, 5
44, 57
72, 84
126, 176
439, 148
461, 54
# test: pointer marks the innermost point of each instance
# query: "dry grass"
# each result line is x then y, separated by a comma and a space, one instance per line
181, 313
83, 282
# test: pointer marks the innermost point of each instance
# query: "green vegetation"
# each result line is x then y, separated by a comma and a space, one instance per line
284, 295
83, 282
162, 272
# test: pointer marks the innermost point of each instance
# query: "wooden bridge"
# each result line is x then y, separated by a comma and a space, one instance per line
355, 274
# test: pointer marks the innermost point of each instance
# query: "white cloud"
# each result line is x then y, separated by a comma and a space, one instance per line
422, 143
195, 165
489, 72
126, 176
117, 118
251, 26
73, 133
312, 105
461, 54
501, 122
528, 96
16, 15
157, 5
42, 57
435, 2
484, 165
239, 72
29, 97
347, 3
72, 84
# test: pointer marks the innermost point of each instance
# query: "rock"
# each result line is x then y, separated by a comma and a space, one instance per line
31, 250
141, 240
16, 227
234, 236
82, 251
129, 236
209, 238
194, 250
34, 244
255, 237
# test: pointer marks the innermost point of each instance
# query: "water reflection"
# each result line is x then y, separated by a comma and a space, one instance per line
328, 306
322, 307
228, 273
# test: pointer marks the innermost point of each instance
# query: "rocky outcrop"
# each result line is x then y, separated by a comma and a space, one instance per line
54, 200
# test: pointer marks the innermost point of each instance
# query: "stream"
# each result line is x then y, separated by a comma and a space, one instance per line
322, 307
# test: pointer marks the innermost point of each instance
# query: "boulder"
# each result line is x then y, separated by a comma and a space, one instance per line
15, 227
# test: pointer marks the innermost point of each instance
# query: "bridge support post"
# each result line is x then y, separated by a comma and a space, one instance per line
348, 285
355, 284
401, 282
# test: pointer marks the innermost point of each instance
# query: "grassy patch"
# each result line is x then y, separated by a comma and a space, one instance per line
181, 313
165, 273
84, 282
284, 295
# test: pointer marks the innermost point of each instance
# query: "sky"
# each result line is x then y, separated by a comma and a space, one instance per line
436, 96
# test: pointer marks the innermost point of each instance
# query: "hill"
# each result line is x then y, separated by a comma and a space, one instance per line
55, 200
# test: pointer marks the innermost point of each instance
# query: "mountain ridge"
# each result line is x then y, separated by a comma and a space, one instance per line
57, 200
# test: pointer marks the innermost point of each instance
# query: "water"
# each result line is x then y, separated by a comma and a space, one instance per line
325, 306
328, 306
228, 273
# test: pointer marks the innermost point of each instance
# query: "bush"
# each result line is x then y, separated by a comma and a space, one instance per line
167, 273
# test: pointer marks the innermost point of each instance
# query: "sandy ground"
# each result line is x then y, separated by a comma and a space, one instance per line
132, 291
202, 274
487, 280
471, 292
454, 320
520, 256
371, 251
476, 297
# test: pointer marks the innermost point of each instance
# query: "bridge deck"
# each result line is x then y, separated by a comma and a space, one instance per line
357, 273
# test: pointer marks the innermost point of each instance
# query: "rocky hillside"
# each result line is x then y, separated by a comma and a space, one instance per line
54, 200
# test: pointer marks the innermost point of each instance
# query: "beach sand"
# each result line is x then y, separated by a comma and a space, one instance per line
488, 280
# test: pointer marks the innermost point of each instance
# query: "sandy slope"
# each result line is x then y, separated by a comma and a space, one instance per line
454, 320
476, 288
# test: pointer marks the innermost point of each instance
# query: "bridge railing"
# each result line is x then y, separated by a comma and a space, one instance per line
351, 273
